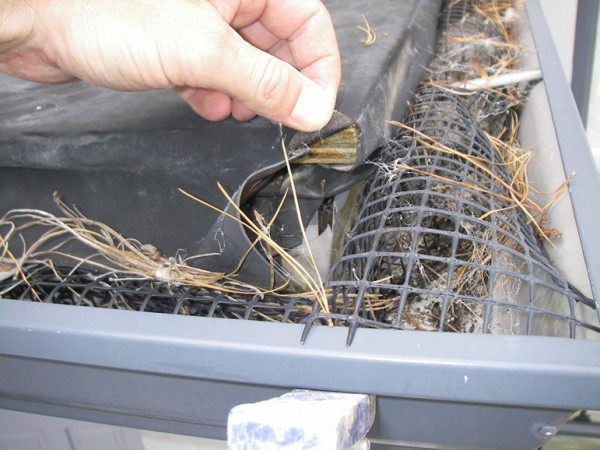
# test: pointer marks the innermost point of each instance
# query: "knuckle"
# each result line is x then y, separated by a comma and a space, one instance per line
274, 83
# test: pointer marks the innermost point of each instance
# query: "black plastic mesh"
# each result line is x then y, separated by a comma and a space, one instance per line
443, 246
63, 285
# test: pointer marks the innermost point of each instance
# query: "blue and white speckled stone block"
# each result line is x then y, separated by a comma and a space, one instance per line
301, 420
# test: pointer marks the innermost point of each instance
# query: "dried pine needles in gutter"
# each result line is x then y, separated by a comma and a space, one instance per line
518, 188
478, 56
314, 284
481, 58
111, 253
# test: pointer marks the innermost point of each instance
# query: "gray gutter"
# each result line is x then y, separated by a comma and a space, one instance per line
574, 147
511, 370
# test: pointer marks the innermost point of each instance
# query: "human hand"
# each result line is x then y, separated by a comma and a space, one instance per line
275, 58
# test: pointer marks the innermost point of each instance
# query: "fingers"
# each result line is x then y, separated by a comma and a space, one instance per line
277, 91
210, 104
298, 32
240, 112
260, 84
295, 85
287, 68
214, 105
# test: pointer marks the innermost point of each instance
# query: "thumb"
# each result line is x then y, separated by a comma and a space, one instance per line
275, 89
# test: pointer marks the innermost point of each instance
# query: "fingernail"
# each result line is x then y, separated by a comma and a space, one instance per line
313, 109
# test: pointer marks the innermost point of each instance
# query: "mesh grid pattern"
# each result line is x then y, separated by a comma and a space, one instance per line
442, 246
65, 286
